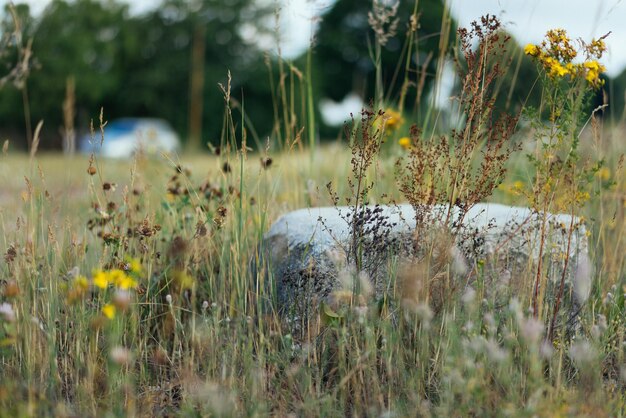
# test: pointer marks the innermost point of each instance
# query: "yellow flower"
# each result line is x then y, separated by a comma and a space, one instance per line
183, 280
531, 50
560, 46
78, 289
405, 142
100, 279
582, 197
116, 276
393, 119
593, 78
558, 70
592, 65
604, 174
121, 280
572, 68
594, 69
81, 283
108, 310
126, 283
134, 265
553, 67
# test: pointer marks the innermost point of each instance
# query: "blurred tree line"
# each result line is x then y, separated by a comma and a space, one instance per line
134, 65
167, 63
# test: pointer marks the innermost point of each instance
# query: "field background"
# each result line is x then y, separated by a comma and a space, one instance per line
228, 359
133, 288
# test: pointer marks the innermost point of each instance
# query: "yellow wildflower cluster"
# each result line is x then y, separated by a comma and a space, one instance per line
603, 174
183, 281
121, 279
405, 142
78, 289
556, 54
594, 69
390, 121
515, 189
563, 200
108, 310
134, 265
115, 277
394, 119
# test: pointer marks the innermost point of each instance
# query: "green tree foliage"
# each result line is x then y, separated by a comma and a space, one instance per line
15, 65
137, 65
518, 85
616, 89
157, 79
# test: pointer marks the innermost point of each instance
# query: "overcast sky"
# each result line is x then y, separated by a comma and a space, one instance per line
527, 20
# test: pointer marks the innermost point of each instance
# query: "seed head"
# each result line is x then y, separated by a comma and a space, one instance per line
121, 356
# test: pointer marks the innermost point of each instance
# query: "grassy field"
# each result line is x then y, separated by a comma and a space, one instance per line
127, 288
184, 334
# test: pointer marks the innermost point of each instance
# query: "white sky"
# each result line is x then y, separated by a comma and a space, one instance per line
527, 20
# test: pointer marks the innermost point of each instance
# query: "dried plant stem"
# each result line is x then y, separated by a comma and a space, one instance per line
538, 276
559, 295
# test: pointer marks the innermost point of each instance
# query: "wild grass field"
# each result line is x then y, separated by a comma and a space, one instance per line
190, 340
132, 288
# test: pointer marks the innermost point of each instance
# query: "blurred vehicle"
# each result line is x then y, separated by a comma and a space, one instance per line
126, 137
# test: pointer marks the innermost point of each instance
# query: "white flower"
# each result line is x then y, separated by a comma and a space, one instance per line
424, 312
582, 353
121, 356
74, 272
546, 350
516, 309
595, 331
489, 319
366, 284
582, 279
7, 312
496, 353
122, 299
469, 296
361, 313
346, 276
459, 264
531, 330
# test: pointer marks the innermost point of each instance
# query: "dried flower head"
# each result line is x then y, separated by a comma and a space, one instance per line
382, 19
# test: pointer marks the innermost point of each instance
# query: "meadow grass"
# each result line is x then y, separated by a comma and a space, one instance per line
192, 339
133, 288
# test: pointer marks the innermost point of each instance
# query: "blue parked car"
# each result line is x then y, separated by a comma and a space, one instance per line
125, 137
